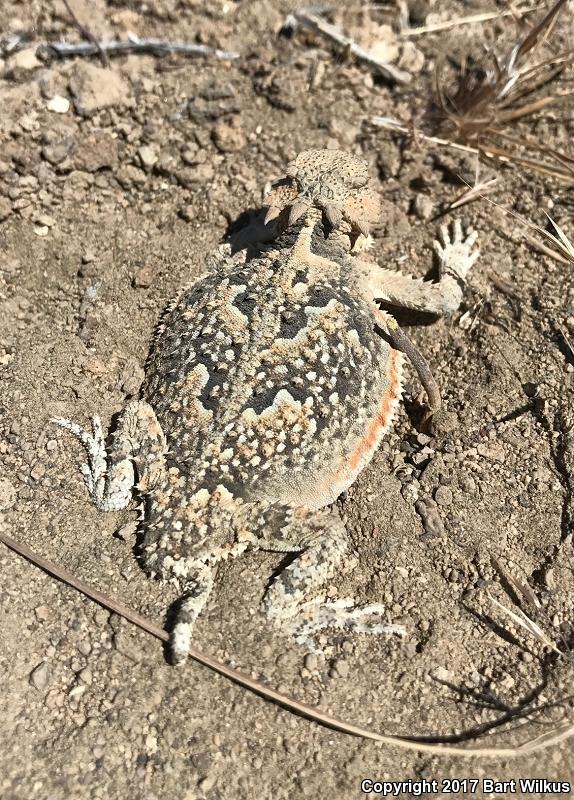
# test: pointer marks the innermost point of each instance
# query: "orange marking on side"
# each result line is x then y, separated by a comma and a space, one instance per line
384, 416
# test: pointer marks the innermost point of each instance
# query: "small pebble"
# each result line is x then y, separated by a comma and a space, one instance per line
45, 219
526, 657
443, 496
423, 207
42, 612
7, 494
38, 471
427, 510
143, 278
311, 662
467, 484
40, 676
84, 647
206, 783
77, 691
57, 151
340, 669
148, 156
228, 135
85, 676
58, 104
126, 531
189, 156
187, 213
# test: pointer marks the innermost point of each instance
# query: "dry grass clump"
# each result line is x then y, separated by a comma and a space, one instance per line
487, 99
520, 593
552, 242
556, 245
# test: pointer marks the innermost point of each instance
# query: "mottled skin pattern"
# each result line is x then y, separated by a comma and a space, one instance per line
268, 388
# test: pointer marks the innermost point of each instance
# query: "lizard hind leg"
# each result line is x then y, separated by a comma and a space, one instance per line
294, 601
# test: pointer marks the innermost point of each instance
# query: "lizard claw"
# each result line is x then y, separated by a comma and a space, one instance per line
456, 255
94, 472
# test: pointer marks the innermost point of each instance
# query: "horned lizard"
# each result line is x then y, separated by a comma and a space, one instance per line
269, 386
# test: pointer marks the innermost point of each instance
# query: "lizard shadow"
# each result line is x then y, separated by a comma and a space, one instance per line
248, 229
485, 700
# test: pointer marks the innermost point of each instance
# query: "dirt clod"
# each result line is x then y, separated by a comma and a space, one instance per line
40, 677
94, 88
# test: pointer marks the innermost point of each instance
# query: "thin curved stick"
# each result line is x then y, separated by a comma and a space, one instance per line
548, 739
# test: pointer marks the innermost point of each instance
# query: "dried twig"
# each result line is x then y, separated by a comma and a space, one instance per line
473, 18
395, 125
486, 150
567, 340
561, 241
87, 34
562, 250
543, 248
521, 594
156, 47
504, 286
520, 588
306, 18
548, 739
520, 618
469, 319
475, 192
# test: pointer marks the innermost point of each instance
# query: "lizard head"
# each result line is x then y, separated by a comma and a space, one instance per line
333, 181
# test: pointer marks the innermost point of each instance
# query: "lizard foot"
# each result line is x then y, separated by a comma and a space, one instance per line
456, 255
107, 495
341, 614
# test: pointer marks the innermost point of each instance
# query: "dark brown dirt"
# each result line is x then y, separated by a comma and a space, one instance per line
108, 209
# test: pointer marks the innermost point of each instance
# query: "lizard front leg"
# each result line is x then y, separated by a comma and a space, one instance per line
456, 257
137, 452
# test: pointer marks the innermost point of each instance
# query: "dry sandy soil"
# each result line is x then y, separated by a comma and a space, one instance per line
106, 210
